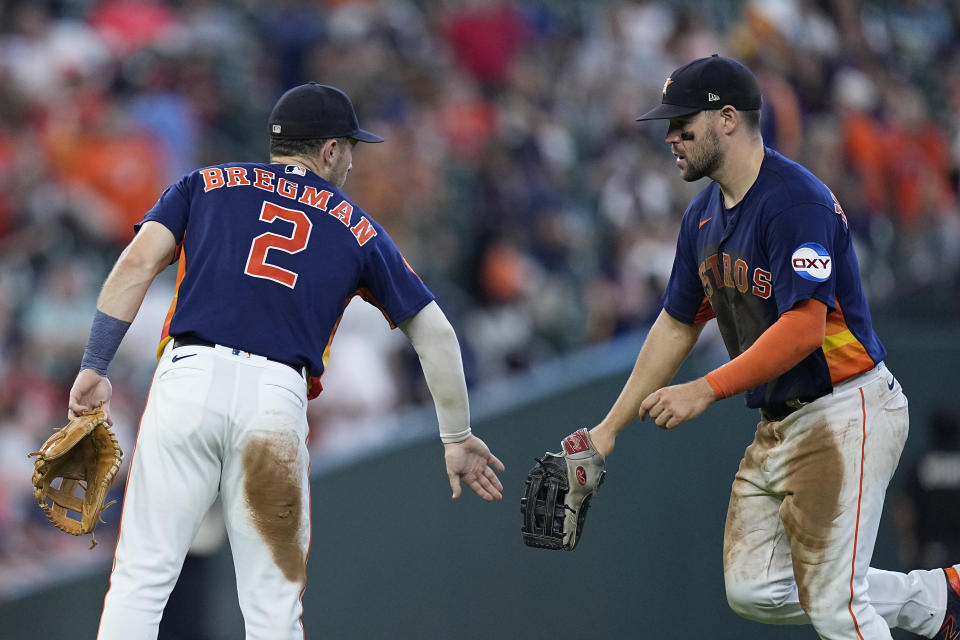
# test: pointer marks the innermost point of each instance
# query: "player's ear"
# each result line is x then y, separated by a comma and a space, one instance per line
730, 119
329, 150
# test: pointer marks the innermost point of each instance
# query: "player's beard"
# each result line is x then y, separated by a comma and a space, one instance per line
341, 168
339, 175
705, 159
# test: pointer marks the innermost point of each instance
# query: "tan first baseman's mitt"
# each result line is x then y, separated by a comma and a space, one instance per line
85, 452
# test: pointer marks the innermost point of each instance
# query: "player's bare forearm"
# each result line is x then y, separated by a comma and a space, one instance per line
472, 462
667, 345
147, 255
120, 298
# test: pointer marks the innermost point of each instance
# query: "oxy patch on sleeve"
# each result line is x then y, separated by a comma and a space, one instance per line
812, 262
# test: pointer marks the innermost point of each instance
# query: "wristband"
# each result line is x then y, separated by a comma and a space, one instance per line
454, 437
106, 333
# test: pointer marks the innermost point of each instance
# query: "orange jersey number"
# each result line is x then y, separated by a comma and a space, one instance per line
257, 265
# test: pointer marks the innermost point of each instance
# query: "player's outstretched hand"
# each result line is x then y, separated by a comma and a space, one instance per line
472, 462
671, 406
88, 391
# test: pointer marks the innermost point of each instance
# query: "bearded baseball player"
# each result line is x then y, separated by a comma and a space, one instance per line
268, 257
765, 249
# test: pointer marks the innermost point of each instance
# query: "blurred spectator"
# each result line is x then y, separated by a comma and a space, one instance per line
129, 25
41, 53
916, 158
163, 112
857, 101
486, 36
106, 169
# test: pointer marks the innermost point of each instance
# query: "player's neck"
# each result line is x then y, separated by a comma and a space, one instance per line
306, 163
739, 171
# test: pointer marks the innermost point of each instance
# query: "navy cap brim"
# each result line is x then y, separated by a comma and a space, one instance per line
667, 111
365, 136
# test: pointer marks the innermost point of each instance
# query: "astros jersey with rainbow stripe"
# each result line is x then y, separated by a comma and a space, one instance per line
287, 243
786, 241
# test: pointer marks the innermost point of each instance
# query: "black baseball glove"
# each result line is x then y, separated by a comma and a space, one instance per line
558, 492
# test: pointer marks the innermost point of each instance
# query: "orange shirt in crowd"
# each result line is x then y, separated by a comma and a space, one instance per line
123, 173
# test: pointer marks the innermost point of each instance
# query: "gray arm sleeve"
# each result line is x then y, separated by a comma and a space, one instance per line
435, 342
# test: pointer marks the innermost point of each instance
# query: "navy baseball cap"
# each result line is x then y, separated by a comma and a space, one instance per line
316, 111
707, 83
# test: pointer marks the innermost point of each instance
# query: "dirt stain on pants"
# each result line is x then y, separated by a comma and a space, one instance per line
800, 483
273, 486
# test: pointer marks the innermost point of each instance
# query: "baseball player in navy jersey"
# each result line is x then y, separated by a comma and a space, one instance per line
765, 249
268, 257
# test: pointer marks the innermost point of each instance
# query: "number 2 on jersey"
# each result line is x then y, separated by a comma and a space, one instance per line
257, 265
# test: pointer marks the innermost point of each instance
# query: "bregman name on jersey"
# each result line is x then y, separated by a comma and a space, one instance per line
218, 177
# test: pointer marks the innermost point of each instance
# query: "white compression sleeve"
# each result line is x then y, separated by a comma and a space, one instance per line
436, 344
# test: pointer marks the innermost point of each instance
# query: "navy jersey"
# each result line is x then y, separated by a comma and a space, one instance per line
786, 241
270, 255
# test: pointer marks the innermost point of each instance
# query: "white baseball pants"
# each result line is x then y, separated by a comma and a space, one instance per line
804, 513
216, 420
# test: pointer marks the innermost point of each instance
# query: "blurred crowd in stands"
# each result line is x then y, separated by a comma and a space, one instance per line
514, 177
